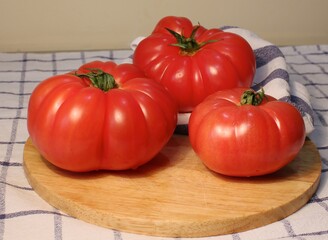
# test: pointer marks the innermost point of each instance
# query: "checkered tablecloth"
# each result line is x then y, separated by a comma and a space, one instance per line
24, 215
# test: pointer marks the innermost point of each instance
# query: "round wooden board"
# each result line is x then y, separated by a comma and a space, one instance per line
175, 195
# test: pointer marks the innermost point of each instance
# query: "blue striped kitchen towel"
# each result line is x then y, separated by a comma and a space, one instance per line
271, 75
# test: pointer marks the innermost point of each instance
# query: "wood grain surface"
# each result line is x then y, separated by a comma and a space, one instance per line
175, 195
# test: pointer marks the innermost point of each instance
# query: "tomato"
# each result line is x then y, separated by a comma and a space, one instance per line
249, 139
193, 62
106, 116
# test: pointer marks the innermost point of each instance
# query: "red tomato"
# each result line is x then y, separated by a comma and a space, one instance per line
193, 62
243, 139
94, 120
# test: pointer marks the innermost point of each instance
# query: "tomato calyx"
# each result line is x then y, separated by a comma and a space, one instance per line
188, 45
249, 97
99, 79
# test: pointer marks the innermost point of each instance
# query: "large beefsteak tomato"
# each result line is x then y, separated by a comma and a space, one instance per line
106, 116
255, 136
193, 62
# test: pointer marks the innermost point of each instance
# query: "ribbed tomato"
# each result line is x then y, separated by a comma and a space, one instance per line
104, 116
193, 62
252, 137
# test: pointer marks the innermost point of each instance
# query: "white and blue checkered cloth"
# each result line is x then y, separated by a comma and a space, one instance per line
303, 74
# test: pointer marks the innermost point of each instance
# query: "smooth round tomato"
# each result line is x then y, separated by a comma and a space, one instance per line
245, 139
193, 62
104, 116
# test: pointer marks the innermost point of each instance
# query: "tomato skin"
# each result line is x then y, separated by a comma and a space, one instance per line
79, 127
245, 140
226, 62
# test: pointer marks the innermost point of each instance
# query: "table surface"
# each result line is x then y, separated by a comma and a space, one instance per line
24, 215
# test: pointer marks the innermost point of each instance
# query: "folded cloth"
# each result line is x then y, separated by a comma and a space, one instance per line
271, 75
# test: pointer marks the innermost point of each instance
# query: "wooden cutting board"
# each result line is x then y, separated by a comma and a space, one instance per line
175, 195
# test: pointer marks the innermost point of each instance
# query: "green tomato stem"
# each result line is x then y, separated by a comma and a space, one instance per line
250, 97
188, 45
100, 79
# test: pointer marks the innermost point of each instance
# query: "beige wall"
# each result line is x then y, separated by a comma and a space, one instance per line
43, 25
